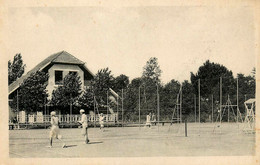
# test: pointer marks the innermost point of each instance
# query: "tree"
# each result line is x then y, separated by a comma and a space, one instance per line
136, 82
15, 68
103, 80
69, 93
87, 98
168, 97
246, 89
187, 98
121, 82
151, 82
253, 72
209, 75
32, 92
131, 99
152, 70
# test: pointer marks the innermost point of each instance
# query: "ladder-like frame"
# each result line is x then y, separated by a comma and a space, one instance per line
249, 122
176, 115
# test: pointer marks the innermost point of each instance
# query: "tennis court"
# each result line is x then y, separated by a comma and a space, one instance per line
205, 139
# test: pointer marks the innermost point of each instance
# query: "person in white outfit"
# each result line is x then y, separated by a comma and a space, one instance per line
84, 123
55, 131
148, 120
101, 121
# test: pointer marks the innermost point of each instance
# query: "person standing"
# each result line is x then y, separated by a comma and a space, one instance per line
148, 120
84, 123
55, 131
101, 121
15, 122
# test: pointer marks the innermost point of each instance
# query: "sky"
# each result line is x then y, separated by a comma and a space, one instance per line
124, 38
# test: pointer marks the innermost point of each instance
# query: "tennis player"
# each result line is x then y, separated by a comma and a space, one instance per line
55, 131
101, 121
84, 123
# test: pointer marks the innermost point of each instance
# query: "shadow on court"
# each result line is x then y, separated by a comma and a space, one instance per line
68, 146
95, 142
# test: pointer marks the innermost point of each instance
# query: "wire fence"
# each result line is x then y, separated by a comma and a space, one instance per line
135, 106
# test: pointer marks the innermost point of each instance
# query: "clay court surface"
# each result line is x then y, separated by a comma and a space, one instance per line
226, 140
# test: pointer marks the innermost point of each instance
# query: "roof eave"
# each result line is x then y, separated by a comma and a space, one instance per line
17, 86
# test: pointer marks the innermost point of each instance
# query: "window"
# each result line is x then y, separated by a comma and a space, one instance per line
58, 77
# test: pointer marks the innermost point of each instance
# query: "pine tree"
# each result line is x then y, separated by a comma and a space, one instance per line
15, 68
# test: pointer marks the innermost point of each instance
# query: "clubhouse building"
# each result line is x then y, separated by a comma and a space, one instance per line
57, 65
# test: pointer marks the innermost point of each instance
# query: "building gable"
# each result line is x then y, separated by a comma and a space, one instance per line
62, 57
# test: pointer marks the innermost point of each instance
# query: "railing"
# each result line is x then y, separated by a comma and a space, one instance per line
31, 119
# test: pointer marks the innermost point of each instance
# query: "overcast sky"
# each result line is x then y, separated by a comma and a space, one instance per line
123, 39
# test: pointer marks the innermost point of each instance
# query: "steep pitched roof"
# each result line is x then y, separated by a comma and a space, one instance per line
65, 57
62, 57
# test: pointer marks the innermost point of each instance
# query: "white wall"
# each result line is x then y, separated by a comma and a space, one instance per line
66, 69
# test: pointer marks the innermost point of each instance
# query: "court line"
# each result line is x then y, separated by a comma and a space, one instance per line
124, 137
57, 153
16, 154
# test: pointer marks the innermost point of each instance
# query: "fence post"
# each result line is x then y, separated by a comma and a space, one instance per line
186, 128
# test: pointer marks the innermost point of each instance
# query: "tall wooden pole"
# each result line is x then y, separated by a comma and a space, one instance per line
228, 108
186, 128
107, 109
17, 101
158, 106
45, 112
117, 116
17, 108
178, 108
181, 104
48, 111
139, 107
220, 99
199, 100
94, 110
70, 111
195, 107
122, 107
237, 100
212, 107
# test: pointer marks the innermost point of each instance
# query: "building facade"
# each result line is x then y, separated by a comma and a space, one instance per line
57, 66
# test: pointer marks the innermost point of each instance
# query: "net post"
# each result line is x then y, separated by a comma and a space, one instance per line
186, 130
